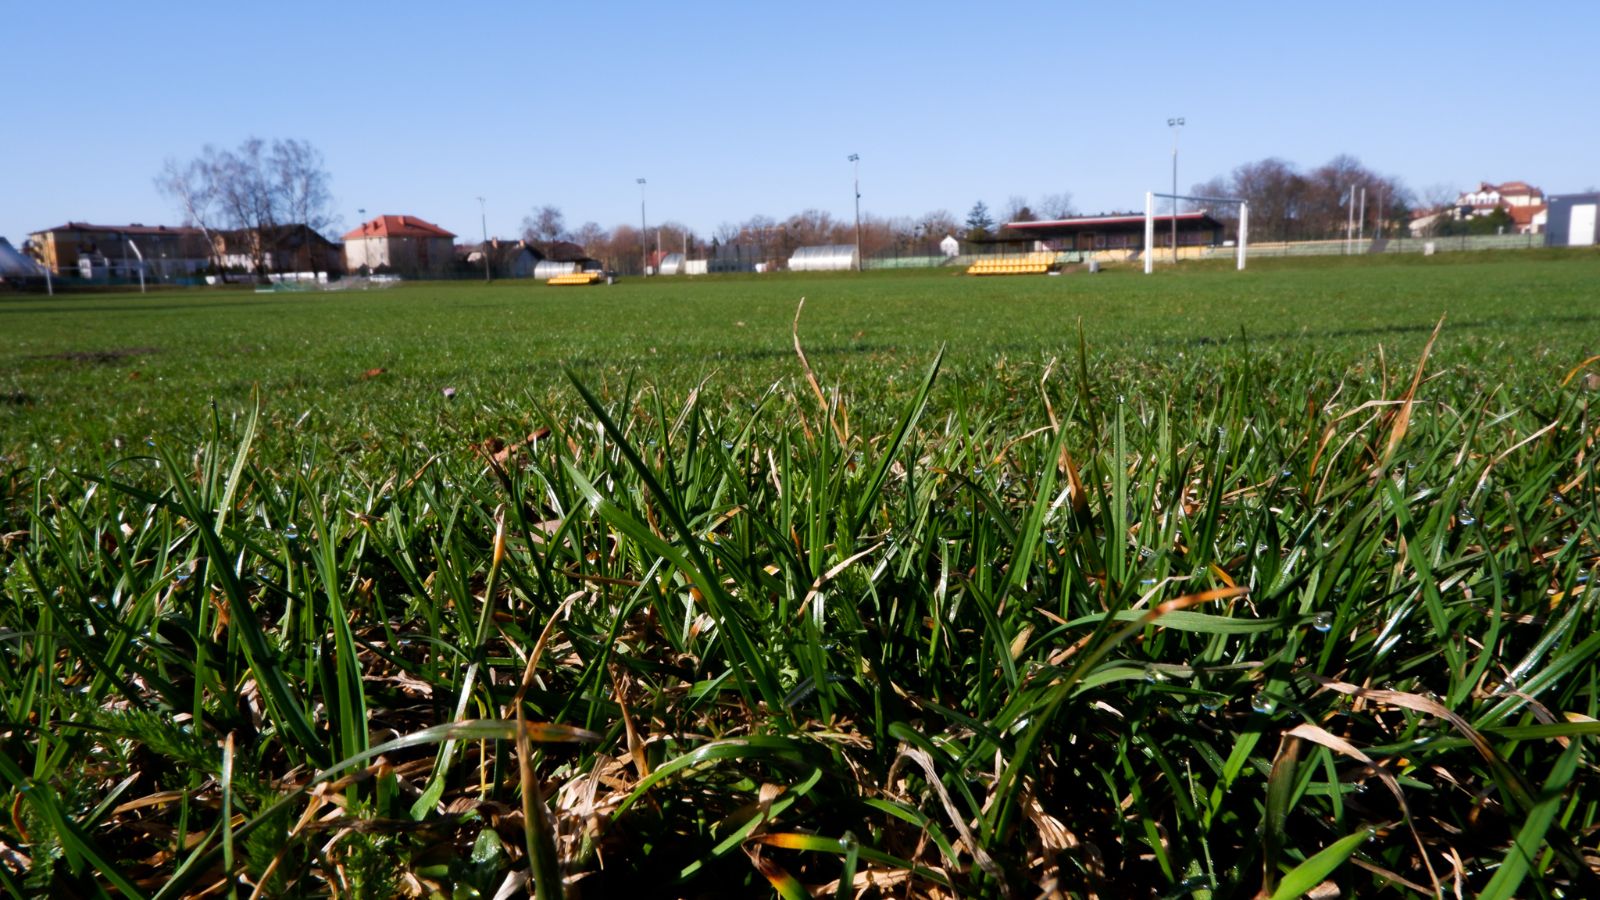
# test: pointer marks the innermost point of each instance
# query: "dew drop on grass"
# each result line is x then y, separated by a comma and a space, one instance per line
1211, 702
1263, 704
291, 532
1322, 622
1557, 499
1465, 517
182, 576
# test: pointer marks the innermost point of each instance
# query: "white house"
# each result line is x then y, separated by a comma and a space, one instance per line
950, 246
1524, 202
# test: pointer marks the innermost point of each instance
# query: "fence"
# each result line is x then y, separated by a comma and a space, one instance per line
1341, 247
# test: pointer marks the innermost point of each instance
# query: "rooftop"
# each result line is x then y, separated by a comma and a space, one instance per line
397, 226
135, 228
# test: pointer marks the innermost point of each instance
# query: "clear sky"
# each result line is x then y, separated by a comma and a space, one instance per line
735, 109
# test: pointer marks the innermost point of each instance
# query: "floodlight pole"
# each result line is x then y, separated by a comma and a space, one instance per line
1244, 230
644, 235
141, 263
1175, 124
1150, 232
1361, 220
856, 159
483, 218
1350, 220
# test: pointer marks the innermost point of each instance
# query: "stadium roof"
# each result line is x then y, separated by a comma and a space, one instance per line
397, 226
1088, 223
135, 228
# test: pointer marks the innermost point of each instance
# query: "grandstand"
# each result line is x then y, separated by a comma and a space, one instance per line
1036, 263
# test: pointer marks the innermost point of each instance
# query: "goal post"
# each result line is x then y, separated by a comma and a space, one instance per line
1150, 198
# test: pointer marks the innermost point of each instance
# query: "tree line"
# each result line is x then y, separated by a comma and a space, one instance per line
260, 186
1288, 203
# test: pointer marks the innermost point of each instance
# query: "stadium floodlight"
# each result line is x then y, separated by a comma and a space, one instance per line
856, 159
1175, 124
483, 218
1150, 224
644, 231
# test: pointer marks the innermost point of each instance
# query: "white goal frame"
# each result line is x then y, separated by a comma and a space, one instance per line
1150, 198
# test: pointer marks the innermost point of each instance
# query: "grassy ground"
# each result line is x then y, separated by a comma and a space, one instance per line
1197, 584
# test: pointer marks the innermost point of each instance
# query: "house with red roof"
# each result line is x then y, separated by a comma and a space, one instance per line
403, 245
1521, 200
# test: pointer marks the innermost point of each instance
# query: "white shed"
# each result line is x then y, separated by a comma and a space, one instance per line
950, 246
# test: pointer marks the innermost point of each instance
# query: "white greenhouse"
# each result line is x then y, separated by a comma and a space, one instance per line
546, 269
823, 258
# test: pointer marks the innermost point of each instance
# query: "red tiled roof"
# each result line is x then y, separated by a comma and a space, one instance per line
397, 226
1523, 215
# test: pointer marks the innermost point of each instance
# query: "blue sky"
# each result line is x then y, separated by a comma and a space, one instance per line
735, 109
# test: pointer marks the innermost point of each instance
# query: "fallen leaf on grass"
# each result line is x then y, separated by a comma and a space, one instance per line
499, 452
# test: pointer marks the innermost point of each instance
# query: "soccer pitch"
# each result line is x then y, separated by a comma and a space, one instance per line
1206, 582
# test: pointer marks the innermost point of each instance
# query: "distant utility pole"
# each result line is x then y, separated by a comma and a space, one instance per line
483, 216
1350, 220
1361, 220
856, 159
1175, 124
644, 233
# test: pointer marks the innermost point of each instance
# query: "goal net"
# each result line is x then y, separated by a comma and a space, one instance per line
1150, 199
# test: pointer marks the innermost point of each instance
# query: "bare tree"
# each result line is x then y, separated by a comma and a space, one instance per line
187, 184
255, 189
1017, 210
590, 236
1057, 206
544, 225
937, 224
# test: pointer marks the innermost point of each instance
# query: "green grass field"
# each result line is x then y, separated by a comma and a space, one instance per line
1203, 584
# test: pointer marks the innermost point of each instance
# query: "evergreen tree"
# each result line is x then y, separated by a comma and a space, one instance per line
979, 224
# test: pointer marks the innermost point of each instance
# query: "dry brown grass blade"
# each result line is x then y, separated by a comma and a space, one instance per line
1416, 703
811, 378
532, 668
925, 763
1500, 457
636, 753
1579, 368
815, 594
1319, 735
1402, 419
1156, 612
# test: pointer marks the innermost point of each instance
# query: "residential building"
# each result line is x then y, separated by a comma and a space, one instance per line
277, 248
507, 259
404, 245
99, 251
1522, 201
